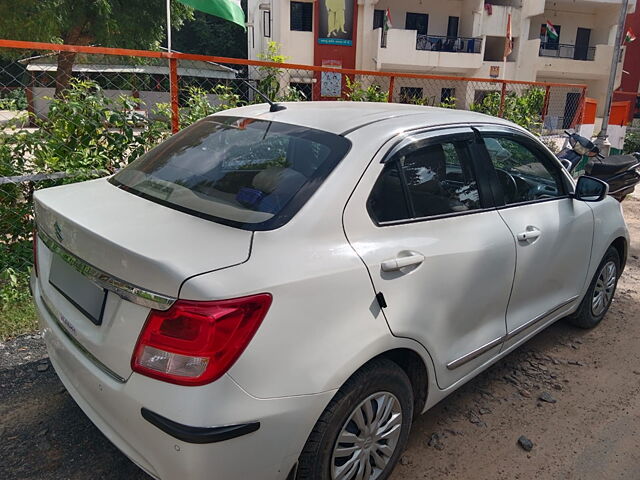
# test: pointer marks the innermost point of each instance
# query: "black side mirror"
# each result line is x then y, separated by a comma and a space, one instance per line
590, 189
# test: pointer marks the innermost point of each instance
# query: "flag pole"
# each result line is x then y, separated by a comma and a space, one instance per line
169, 25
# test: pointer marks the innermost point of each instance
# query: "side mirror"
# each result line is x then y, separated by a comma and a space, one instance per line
589, 189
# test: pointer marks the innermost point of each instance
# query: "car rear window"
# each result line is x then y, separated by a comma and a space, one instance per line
247, 173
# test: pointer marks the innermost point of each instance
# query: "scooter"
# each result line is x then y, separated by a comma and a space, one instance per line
621, 172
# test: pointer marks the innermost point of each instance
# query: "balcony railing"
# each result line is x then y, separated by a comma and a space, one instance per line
449, 44
561, 50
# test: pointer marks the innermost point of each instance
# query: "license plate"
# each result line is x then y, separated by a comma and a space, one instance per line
85, 295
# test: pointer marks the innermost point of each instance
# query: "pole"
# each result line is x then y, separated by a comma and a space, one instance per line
169, 25
601, 141
173, 87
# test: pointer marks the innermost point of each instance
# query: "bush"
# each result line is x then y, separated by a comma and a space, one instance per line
14, 100
632, 141
86, 134
198, 106
357, 93
524, 110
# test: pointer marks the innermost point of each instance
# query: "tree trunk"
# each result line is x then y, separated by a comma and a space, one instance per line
75, 36
64, 71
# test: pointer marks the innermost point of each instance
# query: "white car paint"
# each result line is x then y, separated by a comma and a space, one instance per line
323, 270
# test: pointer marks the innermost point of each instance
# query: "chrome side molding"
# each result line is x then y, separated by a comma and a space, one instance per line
125, 290
494, 343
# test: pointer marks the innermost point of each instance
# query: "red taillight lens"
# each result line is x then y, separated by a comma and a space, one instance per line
35, 252
194, 343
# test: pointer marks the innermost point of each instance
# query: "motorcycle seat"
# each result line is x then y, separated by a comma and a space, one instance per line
610, 165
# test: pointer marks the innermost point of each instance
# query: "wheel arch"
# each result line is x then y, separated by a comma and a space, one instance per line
416, 369
620, 244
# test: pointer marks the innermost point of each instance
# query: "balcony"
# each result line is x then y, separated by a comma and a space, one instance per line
406, 50
588, 63
437, 43
562, 50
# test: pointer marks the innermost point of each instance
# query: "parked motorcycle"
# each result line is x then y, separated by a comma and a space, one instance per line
621, 172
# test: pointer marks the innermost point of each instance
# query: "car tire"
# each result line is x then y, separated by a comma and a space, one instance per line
380, 386
597, 300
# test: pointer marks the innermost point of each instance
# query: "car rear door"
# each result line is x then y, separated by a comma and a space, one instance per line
553, 231
436, 250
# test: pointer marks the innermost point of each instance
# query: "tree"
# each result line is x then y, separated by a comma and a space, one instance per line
209, 35
109, 23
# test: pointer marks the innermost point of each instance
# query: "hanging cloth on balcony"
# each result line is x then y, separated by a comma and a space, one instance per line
489, 8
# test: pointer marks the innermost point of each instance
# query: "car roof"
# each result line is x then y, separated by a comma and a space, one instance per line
344, 117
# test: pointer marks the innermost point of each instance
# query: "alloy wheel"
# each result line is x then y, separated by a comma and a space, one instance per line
368, 439
603, 291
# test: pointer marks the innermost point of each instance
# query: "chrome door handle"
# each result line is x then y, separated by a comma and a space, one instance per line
400, 262
531, 233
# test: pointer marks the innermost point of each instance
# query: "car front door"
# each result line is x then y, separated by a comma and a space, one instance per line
553, 231
439, 255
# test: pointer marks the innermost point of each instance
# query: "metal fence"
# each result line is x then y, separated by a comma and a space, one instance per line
73, 112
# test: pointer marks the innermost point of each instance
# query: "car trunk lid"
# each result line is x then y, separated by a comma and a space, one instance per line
106, 256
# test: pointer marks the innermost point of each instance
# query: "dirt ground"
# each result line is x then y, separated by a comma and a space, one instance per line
588, 427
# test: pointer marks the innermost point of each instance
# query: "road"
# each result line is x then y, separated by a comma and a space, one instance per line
589, 427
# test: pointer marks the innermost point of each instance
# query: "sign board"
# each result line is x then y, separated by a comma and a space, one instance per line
336, 22
331, 82
494, 71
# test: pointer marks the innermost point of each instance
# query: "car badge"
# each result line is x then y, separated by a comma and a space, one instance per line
58, 231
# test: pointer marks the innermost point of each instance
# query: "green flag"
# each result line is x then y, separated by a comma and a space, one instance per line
227, 9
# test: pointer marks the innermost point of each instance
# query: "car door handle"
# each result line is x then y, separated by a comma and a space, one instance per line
400, 262
531, 233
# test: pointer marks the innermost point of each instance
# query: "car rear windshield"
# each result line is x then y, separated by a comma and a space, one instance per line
247, 173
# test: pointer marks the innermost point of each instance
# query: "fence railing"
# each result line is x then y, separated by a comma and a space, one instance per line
438, 43
562, 50
60, 125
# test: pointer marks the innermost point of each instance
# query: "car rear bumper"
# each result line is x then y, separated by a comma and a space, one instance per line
115, 407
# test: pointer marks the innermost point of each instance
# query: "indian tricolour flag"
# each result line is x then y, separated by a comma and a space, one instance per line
387, 20
551, 31
629, 36
227, 9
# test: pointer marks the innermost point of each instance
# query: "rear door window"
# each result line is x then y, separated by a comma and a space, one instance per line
433, 180
247, 173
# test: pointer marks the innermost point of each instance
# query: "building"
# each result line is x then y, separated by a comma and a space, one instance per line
462, 38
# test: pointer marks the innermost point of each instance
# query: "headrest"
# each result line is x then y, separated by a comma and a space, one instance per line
280, 178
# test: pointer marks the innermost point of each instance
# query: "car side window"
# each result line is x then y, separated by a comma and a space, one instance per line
421, 182
387, 201
524, 173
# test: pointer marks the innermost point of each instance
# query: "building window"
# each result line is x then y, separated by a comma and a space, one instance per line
302, 16
417, 21
378, 19
480, 95
448, 95
266, 23
305, 88
410, 94
452, 27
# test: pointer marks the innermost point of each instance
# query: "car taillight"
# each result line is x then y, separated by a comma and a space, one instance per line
194, 343
35, 252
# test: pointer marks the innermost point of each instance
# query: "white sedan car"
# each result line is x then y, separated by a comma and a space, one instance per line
271, 295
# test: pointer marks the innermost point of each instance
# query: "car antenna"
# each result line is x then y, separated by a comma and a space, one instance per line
273, 106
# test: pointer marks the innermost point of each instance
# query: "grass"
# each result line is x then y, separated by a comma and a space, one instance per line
17, 318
